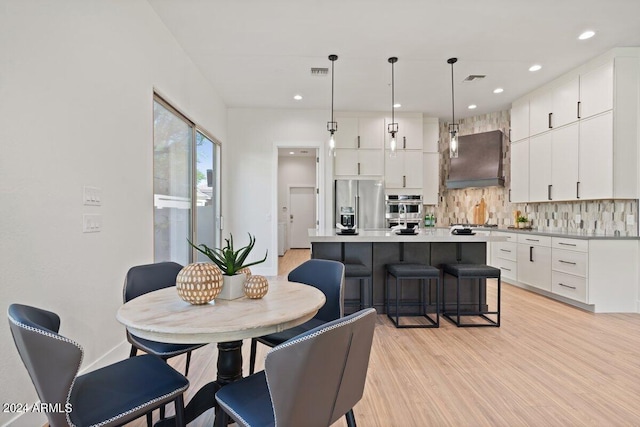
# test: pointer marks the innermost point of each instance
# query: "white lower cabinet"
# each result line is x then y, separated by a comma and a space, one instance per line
570, 264
504, 256
534, 261
600, 273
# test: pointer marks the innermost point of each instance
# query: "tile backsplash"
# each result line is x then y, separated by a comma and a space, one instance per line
602, 217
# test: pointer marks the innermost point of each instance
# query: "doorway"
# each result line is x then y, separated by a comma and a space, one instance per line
297, 196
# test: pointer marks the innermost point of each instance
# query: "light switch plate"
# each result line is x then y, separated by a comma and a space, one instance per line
92, 196
578, 218
91, 223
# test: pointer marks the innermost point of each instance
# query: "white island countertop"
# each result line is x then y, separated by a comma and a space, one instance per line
387, 236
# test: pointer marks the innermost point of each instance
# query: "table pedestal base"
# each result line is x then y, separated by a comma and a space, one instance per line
229, 370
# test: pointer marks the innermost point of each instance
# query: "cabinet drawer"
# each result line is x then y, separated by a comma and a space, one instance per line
511, 237
571, 244
534, 240
569, 262
569, 286
505, 250
508, 269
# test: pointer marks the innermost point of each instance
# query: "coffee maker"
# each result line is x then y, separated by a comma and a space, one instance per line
347, 217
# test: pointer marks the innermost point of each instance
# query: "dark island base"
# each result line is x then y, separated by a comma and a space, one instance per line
377, 255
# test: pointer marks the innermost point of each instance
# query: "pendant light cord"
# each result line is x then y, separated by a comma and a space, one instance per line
332, 64
393, 130
453, 105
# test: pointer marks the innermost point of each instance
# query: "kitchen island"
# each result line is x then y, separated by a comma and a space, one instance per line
376, 248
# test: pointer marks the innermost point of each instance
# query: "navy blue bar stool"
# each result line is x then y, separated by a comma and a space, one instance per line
406, 271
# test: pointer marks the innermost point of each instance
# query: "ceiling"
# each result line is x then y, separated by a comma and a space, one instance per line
259, 53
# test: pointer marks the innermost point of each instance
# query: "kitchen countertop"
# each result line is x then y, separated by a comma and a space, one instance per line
441, 234
567, 234
386, 235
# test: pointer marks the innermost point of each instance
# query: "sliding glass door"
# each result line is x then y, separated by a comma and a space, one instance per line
185, 185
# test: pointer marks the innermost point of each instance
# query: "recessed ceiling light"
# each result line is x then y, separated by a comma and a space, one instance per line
535, 67
586, 35
291, 152
397, 105
498, 90
472, 107
297, 97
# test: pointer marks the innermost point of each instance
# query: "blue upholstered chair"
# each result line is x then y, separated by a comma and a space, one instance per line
140, 280
311, 380
326, 275
110, 396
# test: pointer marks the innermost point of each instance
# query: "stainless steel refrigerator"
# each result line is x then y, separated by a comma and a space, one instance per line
365, 196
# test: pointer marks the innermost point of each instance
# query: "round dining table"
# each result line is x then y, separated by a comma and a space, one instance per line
163, 316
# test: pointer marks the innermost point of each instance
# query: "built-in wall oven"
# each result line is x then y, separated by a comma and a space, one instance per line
403, 209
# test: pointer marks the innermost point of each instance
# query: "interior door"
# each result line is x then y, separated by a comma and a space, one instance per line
302, 203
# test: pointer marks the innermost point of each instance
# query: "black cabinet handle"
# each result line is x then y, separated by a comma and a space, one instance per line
532, 240
531, 253
404, 142
567, 244
505, 250
567, 286
358, 168
509, 195
505, 268
549, 191
566, 262
404, 181
578, 190
550, 126
578, 112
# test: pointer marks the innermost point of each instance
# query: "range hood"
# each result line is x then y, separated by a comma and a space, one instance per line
479, 161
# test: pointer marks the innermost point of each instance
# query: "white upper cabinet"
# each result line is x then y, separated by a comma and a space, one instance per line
371, 132
359, 142
540, 106
596, 90
583, 131
566, 97
519, 191
540, 168
359, 132
596, 157
354, 162
409, 136
430, 134
347, 134
556, 106
564, 163
520, 120
404, 170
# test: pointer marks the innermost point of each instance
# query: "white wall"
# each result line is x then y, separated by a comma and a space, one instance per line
251, 179
76, 85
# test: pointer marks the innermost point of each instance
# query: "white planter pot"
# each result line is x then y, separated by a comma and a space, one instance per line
233, 287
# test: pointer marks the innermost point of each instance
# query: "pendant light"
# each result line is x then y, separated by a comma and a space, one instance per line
332, 126
454, 128
392, 127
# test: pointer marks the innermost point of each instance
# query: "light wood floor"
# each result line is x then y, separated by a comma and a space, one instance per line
549, 364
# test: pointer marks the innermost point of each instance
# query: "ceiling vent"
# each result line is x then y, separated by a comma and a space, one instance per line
315, 71
472, 77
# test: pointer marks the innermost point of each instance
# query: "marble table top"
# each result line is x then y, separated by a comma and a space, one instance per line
162, 316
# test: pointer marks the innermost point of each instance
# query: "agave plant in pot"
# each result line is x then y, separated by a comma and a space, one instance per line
233, 264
